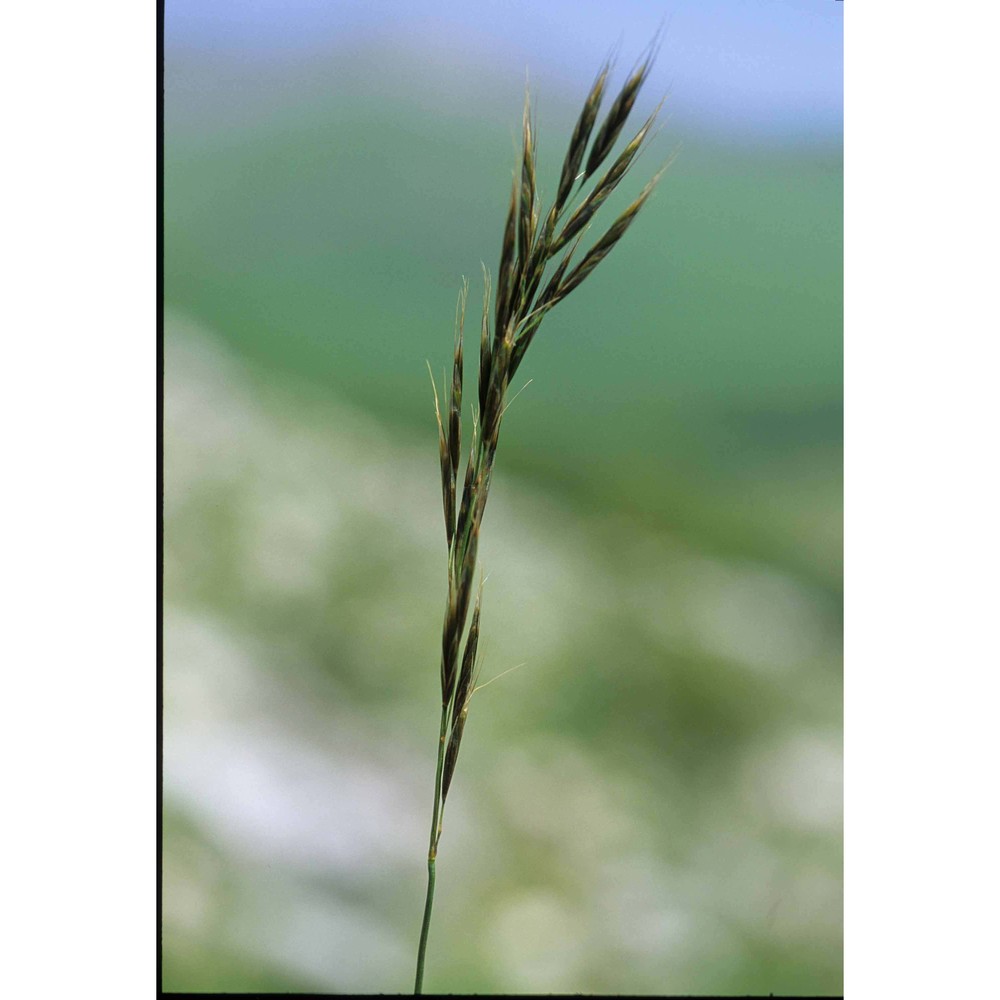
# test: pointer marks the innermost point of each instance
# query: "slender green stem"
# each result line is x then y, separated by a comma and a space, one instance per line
432, 856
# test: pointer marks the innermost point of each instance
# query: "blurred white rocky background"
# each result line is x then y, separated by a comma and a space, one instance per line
650, 804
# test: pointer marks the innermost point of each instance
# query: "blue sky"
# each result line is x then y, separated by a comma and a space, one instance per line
774, 65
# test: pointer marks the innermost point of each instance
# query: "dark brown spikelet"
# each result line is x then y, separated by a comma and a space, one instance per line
454, 435
580, 138
508, 262
467, 487
451, 754
533, 275
449, 649
497, 390
459, 591
604, 245
527, 214
617, 115
464, 689
484, 342
463, 695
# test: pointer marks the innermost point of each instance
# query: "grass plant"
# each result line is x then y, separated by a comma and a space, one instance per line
536, 272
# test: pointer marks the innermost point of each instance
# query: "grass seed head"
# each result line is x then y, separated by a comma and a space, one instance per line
524, 254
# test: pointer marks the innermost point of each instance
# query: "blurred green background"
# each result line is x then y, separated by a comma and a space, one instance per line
652, 803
